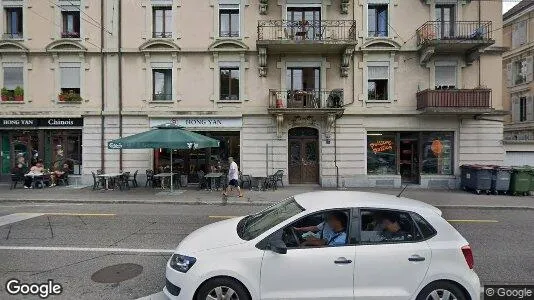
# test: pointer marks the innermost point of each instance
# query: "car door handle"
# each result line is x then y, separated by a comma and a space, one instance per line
342, 260
416, 257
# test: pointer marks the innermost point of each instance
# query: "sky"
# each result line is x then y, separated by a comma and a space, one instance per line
507, 5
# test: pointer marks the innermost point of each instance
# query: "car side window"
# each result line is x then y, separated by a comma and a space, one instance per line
380, 226
425, 229
324, 229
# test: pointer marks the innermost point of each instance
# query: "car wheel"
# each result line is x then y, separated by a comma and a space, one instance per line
222, 289
441, 290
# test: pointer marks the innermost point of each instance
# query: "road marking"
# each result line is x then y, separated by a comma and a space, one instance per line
473, 221
80, 214
221, 217
156, 296
12, 218
79, 249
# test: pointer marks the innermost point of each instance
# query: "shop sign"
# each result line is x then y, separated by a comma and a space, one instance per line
42, 122
199, 122
381, 146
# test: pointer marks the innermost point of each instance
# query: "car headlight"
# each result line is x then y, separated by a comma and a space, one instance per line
182, 263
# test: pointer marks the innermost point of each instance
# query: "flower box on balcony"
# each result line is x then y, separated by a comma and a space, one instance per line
69, 98
16, 95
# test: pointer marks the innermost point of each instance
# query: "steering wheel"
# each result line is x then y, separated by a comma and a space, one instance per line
295, 236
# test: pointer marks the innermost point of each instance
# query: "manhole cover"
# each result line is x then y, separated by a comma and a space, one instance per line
117, 273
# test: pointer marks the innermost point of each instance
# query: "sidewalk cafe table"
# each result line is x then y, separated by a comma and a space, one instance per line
164, 176
33, 177
109, 176
212, 177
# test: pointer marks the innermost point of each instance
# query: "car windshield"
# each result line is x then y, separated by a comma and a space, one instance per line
252, 226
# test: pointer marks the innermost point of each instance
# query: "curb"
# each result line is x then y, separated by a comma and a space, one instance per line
221, 203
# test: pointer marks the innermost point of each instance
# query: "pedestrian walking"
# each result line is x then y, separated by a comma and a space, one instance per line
233, 177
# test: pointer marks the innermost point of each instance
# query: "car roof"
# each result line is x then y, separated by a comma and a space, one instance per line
323, 200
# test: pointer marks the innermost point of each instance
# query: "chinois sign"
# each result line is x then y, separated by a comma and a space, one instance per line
41, 122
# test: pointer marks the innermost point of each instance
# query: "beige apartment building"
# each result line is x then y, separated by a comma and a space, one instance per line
333, 92
518, 97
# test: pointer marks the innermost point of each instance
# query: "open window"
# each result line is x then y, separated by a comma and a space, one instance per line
380, 226
326, 228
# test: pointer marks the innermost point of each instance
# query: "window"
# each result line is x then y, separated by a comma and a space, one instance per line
304, 23
71, 24
13, 78
522, 109
229, 80
254, 225
445, 17
445, 76
13, 23
162, 84
425, 229
381, 153
70, 78
228, 22
437, 153
519, 71
162, 22
377, 83
377, 19
385, 226
519, 33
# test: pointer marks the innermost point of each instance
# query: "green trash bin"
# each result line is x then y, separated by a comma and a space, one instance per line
521, 181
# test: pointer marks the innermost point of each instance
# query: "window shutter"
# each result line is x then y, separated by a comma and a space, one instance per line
514, 35
529, 61
530, 108
509, 75
376, 72
70, 77
515, 109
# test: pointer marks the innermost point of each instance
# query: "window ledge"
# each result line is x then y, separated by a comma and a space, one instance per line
161, 101
12, 102
69, 102
378, 101
229, 101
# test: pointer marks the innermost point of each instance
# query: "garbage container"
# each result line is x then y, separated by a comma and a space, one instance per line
520, 181
465, 177
480, 179
500, 179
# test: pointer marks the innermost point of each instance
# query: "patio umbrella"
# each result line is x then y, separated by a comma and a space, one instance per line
166, 136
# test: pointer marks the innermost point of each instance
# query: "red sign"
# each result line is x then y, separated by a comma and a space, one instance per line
381, 146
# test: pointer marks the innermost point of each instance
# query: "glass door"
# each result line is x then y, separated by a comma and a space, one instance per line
303, 86
409, 157
304, 23
445, 18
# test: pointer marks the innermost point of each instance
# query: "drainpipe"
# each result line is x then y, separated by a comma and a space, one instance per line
120, 77
479, 66
335, 153
102, 94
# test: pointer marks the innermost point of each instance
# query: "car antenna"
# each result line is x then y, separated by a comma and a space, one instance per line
398, 196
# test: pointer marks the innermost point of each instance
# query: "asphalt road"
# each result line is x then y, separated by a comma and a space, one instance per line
70, 234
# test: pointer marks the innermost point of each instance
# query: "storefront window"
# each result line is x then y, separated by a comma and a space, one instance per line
381, 153
66, 149
437, 153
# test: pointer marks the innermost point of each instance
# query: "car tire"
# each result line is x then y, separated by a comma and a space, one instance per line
440, 288
222, 286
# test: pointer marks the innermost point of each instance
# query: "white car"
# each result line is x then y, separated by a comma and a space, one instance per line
327, 245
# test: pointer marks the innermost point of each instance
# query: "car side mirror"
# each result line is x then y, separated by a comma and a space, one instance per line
277, 247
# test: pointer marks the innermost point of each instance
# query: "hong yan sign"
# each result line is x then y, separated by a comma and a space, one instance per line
42, 122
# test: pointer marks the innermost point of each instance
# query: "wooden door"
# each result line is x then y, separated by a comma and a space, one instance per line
303, 153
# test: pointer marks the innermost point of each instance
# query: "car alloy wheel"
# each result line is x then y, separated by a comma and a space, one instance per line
222, 293
441, 294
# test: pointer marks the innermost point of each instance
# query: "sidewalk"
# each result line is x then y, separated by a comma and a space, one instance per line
142, 195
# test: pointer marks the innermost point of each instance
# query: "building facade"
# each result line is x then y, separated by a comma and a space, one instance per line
518, 97
333, 92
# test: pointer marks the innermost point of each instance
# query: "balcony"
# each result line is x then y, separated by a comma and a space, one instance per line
460, 37
455, 101
162, 34
12, 36
306, 101
306, 36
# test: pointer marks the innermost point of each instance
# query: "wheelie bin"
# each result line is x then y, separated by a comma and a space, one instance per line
465, 177
500, 179
520, 181
480, 179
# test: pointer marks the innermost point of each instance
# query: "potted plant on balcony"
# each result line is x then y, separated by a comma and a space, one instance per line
6, 95
69, 96
19, 94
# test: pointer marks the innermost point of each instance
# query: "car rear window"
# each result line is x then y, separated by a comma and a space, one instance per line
425, 229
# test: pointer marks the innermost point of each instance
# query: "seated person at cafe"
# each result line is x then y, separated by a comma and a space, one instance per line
37, 169
59, 173
332, 232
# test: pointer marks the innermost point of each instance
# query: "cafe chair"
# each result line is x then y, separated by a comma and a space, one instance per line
15, 179
97, 182
246, 180
150, 179
202, 182
133, 179
279, 177
63, 179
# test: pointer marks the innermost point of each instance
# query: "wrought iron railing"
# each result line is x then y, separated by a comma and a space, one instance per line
12, 35
459, 30
328, 31
162, 97
306, 99
454, 98
228, 33
162, 34
70, 35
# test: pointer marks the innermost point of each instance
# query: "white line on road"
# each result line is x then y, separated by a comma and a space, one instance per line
129, 250
12, 218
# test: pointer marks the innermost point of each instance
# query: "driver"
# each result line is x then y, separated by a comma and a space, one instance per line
333, 231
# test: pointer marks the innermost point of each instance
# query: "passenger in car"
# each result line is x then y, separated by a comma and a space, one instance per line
391, 228
332, 233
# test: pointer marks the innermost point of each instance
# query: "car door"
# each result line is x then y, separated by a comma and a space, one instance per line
308, 273
389, 268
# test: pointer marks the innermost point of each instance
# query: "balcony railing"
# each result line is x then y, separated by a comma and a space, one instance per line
12, 35
229, 34
340, 31
315, 99
433, 31
162, 97
465, 98
70, 35
165, 34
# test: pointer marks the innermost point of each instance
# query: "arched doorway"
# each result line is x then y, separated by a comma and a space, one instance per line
303, 154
